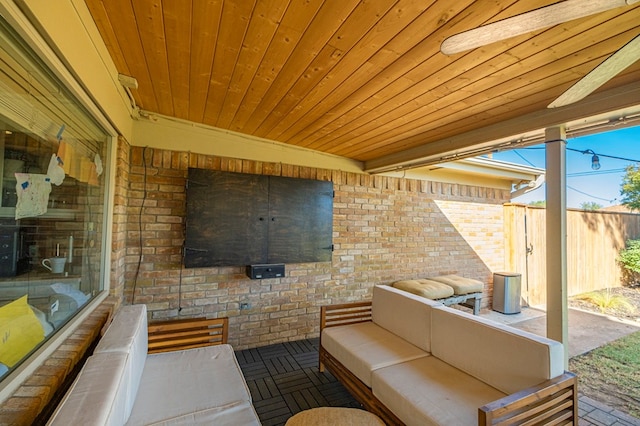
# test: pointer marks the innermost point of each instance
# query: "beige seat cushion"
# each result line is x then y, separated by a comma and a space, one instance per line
425, 288
460, 285
365, 347
428, 391
193, 386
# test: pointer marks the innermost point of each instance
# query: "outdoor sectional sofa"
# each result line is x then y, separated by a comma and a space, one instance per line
122, 384
414, 361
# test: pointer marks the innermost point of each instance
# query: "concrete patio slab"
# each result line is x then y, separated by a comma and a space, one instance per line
587, 330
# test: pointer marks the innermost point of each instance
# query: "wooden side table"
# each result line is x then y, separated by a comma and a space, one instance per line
331, 416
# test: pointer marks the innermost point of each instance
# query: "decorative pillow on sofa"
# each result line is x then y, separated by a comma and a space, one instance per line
425, 288
460, 285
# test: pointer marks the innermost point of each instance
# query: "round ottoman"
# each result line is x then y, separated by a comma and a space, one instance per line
331, 416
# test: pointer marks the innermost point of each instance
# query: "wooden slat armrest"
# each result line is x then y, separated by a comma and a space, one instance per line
342, 314
554, 402
345, 313
174, 335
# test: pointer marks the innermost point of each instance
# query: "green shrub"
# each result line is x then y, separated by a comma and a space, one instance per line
630, 256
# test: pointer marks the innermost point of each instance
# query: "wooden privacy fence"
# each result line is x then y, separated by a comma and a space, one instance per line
594, 240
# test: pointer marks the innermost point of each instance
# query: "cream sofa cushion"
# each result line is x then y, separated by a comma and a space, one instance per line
460, 285
190, 384
504, 357
365, 347
128, 334
240, 413
425, 288
404, 314
98, 396
428, 391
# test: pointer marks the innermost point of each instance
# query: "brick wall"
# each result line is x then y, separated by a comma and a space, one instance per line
481, 226
384, 229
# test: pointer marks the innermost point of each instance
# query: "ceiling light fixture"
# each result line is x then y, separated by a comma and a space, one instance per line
129, 83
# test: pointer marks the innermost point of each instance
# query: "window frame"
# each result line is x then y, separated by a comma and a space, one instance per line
31, 36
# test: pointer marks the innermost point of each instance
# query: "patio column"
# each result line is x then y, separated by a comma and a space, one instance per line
556, 223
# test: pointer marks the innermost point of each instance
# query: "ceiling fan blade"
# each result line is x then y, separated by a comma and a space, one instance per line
537, 19
612, 66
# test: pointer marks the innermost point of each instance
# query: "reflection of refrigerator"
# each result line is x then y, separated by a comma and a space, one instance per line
9, 239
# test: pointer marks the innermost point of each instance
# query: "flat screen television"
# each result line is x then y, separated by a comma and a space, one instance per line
236, 219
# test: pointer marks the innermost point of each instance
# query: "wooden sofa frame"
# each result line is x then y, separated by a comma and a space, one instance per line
175, 335
554, 402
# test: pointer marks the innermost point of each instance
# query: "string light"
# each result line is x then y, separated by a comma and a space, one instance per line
590, 151
595, 160
595, 165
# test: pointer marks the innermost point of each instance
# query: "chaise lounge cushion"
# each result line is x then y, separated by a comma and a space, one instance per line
501, 356
127, 334
204, 384
425, 288
460, 285
241, 413
98, 395
427, 391
365, 347
404, 314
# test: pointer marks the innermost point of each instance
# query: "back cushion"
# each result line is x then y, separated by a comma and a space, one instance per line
404, 314
98, 395
128, 334
504, 357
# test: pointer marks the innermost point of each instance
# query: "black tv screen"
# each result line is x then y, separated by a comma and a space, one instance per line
236, 219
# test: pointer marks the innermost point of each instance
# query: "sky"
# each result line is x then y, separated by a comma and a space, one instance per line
583, 183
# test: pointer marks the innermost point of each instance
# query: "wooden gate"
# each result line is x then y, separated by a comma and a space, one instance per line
594, 240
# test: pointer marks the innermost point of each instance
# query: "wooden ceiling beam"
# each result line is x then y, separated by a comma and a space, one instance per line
483, 79
625, 98
536, 87
153, 40
205, 26
515, 109
358, 80
290, 31
320, 30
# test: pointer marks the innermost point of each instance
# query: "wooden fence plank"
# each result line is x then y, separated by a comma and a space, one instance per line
594, 241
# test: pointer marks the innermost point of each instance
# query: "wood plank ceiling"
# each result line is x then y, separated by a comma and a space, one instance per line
359, 79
